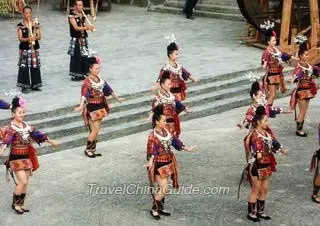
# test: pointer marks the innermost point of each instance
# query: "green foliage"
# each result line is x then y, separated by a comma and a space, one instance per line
4, 7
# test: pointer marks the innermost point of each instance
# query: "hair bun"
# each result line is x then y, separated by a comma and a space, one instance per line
260, 110
255, 87
15, 102
172, 46
158, 110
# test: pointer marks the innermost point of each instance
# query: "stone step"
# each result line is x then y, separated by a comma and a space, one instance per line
141, 112
206, 7
215, 15
143, 101
128, 118
133, 98
139, 125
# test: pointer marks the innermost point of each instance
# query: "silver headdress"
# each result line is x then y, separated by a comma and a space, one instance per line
13, 93
252, 76
300, 39
88, 52
171, 38
267, 25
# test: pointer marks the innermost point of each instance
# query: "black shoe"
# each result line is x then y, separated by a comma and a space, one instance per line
89, 155
254, 219
36, 89
164, 213
157, 217
301, 134
97, 154
190, 18
263, 216
25, 90
314, 199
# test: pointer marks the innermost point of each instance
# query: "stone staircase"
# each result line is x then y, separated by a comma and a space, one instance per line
218, 9
210, 96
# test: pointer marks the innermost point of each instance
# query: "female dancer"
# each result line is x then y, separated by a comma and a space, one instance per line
260, 147
258, 99
162, 161
172, 107
29, 60
306, 88
178, 74
271, 63
94, 104
23, 158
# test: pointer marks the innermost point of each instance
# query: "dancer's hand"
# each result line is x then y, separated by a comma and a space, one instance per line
2, 148
190, 149
155, 87
240, 125
149, 117
54, 143
284, 151
287, 111
78, 109
121, 99
188, 110
149, 164
194, 79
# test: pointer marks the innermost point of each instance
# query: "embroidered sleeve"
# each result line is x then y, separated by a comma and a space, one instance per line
37, 136
265, 57
179, 106
249, 115
297, 74
155, 102
270, 131
273, 111
160, 74
257, 143
285, 56
177, 144
276, 146
4, 105
107, 90
185, 74
85, 90
8, 136
316, 71
152, 146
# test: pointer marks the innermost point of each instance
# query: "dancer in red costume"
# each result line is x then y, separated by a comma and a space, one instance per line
23, 157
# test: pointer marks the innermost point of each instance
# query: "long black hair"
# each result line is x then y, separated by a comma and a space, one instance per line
303, 47
255, 87
157, 113
260, 114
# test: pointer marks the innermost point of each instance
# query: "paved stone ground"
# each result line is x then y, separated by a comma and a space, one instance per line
59, 191
131, 44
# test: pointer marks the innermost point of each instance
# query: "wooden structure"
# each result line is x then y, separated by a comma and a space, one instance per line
292, 17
